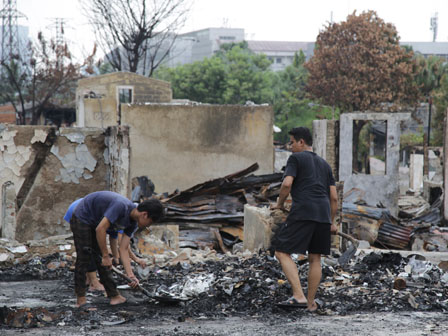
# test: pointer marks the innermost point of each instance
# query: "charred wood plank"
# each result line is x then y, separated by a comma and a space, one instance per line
210, 187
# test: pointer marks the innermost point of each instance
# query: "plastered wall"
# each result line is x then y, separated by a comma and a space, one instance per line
97, 97
43, 170
178, 146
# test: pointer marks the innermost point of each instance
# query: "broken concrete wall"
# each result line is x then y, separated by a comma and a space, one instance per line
117, 156
325, 140
178, 146
258, 225
379, 188
42, 171
98, 97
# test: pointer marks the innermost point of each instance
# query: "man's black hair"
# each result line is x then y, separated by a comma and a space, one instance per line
302, 133
153, 207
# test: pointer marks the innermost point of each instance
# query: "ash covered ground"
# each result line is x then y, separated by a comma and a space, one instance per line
232, 295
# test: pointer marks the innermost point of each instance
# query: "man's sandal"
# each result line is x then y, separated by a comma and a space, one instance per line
292, 303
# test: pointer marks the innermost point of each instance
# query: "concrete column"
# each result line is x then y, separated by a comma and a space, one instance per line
8, 218
320, 138
416, 172
119, 160
257, 228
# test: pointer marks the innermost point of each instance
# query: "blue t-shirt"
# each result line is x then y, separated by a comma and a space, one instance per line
71, 208
116, 208
68, 216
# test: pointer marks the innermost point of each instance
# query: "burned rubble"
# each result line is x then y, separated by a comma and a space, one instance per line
215, 280
226, 285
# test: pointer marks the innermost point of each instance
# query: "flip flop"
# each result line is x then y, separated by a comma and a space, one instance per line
86, 306
292, 303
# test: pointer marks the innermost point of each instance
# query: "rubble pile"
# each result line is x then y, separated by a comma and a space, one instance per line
219, 204
241, 285
417, 227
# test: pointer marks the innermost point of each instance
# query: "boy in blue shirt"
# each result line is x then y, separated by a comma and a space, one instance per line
91, 218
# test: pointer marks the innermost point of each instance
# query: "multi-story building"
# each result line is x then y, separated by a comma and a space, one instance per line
279, 52
426, 49
197, 45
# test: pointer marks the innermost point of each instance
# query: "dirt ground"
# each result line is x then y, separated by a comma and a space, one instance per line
37, 298
143, 317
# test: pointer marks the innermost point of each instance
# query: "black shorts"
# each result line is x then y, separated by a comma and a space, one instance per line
302, 236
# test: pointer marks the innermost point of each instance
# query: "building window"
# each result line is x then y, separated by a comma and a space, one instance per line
125, 95
230, 38
278, 60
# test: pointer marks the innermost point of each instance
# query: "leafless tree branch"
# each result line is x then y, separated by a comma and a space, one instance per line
136, 35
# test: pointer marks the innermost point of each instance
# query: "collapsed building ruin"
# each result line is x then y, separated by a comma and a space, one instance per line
201, 159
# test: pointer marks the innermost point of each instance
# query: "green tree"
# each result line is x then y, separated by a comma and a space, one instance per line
441, 103
432, 70
291, 106
234, 75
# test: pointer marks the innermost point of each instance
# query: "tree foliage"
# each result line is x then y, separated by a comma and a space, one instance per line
441, 103
291, 106
358, 65
46, 73
136, 35
429, 81
234, 75
431, 71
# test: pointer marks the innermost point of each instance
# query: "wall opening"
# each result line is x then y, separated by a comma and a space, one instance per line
125, 94
369, 147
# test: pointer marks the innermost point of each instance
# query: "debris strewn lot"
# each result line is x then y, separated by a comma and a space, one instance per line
197, 256
39, 292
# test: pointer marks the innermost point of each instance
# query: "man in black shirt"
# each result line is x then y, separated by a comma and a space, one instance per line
309, 225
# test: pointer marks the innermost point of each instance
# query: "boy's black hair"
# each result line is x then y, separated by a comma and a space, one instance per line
302, 133
153, 207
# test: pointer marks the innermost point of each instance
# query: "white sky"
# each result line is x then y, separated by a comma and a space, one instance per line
277, 20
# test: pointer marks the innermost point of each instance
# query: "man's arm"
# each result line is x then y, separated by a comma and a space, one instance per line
333, 207
125, 260
102, 243
285, 189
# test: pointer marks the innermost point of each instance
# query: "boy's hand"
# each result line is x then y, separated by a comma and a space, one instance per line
134, 283
106, 261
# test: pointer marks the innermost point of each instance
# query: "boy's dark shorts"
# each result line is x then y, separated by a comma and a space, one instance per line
302, 236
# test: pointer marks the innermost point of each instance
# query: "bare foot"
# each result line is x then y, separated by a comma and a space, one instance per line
80, 301
96, 286
313, 307
116, 300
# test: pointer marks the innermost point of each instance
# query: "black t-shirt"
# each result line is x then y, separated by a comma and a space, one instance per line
310, 190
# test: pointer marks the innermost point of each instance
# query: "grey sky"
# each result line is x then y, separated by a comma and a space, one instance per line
280, 20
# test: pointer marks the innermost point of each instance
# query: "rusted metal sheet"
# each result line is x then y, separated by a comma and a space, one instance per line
394, 236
